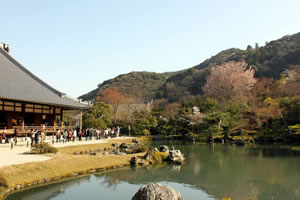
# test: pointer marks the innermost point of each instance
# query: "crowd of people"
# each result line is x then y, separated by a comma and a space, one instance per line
89, 134
5, 139
39, 136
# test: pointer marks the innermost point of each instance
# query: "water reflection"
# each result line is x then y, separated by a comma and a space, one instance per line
211, 172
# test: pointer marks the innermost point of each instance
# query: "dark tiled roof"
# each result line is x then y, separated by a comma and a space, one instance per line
17, 83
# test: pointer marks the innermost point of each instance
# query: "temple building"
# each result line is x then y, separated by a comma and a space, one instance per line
26, 102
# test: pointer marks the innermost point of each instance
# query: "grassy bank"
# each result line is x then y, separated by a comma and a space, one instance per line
63, 165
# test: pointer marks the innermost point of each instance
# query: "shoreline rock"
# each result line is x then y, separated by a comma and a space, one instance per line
153, 156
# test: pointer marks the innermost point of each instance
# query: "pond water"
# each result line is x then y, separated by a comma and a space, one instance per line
210, 172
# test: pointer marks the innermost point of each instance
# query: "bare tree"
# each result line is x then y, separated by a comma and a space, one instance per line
113, 97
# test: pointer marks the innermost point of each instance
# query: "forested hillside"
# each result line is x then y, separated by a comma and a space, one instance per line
250, 95
140, 85
268, 61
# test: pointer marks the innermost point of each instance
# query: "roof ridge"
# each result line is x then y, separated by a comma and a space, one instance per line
20, 66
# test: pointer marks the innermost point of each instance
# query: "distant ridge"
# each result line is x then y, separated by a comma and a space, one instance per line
271, 60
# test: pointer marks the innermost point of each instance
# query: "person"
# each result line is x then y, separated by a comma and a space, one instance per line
97, 134
65, 135
32, 132
3, 137
101, 133
79, 134
118, 131
11, 142
62, 136
112, 133
15, 135
106, 133
58, 136
69, 135
36, 136
74, 135
91, 133
43, 137
86, 134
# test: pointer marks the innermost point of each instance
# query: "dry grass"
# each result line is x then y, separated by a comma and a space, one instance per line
90, 147
60, 166
145, 138
1, 192
3, 181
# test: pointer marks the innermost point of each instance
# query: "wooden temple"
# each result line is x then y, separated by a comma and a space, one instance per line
26, 102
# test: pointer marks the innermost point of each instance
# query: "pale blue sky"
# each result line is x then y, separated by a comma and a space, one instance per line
73, 45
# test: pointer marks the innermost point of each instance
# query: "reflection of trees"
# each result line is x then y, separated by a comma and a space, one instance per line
228, 171
110, 181
139, 175
255, 172
47, 192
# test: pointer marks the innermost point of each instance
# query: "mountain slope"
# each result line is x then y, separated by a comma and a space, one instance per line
141, 85
270, 60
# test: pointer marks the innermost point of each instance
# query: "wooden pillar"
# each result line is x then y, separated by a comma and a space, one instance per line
61, 119
23, 125
54, 122
23, 116
80, 122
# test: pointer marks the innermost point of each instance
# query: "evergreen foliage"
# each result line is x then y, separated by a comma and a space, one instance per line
98, 116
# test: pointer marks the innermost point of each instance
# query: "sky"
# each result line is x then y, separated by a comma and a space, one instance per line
74, 45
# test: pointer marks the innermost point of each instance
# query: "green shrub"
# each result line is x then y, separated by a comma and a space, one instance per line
43, 148
3, 181
159, 157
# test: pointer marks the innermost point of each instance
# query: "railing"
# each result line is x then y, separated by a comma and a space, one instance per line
27, 129
20, 128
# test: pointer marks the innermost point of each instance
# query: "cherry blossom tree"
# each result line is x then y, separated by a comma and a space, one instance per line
229, 80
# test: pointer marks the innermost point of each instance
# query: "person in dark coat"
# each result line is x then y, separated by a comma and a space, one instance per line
15, 135
36, 137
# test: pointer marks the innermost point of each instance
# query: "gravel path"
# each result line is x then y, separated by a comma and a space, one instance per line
16, 155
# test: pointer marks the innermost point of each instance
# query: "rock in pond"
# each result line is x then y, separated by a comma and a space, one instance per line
150, 154
126, 145
138, 161
156, 191
176, 157
135, 141
164, 148
239, 142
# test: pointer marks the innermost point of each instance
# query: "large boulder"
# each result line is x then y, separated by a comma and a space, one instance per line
150, 154
156, 191
127, 147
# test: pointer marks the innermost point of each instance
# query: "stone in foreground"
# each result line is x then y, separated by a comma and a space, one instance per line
156, 191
